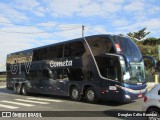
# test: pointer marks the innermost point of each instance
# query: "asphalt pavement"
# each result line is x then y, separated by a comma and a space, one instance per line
56, 107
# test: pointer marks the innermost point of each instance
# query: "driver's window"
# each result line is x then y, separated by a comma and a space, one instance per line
109, 67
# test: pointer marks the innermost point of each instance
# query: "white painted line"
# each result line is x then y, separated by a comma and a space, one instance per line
17, 103
31, 101
8, 106
49, 100
2, 86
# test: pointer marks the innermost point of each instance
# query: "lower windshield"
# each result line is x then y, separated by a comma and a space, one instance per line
135, 73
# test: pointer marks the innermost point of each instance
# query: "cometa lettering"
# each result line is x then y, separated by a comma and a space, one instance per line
61, 64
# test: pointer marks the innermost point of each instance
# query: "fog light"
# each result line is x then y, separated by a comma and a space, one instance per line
127, 96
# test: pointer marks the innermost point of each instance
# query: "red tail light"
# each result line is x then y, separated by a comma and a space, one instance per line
145, 98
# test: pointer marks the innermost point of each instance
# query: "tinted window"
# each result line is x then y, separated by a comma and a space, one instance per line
100, 45
74, 49
34, 75
127, 47
48, 53
109, 67
60, 74
72, 74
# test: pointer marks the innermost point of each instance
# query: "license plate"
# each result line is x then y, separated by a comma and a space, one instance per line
140, 95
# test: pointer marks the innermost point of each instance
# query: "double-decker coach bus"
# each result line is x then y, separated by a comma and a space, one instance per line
99, 67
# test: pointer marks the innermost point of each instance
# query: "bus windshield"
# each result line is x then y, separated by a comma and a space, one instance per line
128, 48
134, 74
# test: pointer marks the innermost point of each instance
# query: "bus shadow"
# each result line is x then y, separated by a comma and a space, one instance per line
107, 103
49, 96
114, 103
5, 90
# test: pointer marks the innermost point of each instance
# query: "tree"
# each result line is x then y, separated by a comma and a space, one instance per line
141, 34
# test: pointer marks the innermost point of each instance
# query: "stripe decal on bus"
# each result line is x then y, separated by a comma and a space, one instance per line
131, 90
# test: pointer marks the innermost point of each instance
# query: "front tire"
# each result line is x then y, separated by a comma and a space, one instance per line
154, 111
91, 96
75, 94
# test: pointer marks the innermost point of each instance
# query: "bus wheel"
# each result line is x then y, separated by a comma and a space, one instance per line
90, 95
24, 90
17, 89
75, 94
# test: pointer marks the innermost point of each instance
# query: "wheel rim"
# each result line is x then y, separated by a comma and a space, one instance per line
75, 93
18, 89
153, 117
90, 95
23, 90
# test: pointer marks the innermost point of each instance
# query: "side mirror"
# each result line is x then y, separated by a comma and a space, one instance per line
150, 64
158, 66
150, 60
159, 92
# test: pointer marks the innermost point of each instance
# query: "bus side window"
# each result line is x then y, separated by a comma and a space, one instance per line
74, 49
76, 74
48, 53
59, 74
34, 75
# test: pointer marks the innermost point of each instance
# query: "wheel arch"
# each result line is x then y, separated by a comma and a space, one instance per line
152, 107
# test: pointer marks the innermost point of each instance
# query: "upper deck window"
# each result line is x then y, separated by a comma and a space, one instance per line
48, 53
100, 45
73, 49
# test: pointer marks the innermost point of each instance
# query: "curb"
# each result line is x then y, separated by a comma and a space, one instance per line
150, 85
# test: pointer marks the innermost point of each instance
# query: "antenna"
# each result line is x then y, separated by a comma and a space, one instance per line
83, 30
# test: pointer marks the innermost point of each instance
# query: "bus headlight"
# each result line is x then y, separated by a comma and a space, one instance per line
127, 96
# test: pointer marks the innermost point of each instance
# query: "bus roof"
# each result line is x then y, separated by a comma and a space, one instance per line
67, 41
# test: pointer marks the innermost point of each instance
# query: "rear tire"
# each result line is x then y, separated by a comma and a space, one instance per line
75, 94
91, 96
18, 89
24, 90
